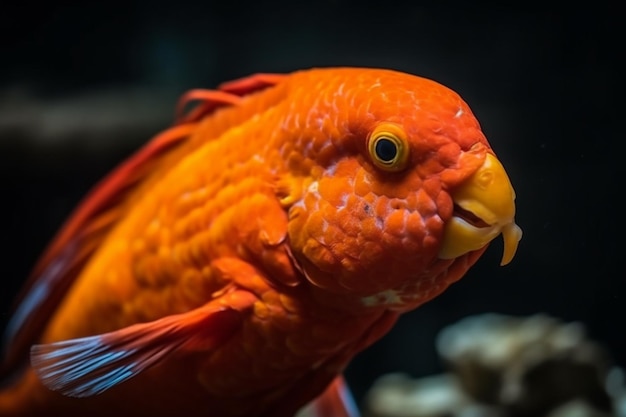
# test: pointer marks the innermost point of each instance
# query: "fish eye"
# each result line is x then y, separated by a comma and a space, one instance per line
388, 147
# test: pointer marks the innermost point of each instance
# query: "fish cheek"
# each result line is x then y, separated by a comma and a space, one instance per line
306, 230
335, 236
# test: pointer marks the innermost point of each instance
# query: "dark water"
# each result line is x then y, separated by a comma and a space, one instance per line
544, 86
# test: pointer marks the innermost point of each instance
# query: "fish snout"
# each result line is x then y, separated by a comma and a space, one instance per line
484, 207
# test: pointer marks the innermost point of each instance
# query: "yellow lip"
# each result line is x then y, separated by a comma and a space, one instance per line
488, 198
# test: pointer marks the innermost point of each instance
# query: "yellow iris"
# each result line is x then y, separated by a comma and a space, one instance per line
388, 147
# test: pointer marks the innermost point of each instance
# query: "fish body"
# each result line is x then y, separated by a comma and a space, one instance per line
237, 263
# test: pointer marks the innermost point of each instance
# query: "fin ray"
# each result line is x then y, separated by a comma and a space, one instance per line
90, 365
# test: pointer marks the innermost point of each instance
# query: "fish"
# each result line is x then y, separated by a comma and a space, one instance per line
238, 261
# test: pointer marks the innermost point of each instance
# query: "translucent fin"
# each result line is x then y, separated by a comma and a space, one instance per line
90, 365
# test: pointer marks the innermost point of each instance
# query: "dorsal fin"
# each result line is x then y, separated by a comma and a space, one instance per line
83, 232
251, 84
229, 93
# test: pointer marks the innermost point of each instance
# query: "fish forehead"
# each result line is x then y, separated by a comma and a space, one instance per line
329, 113
359, 98
381, 86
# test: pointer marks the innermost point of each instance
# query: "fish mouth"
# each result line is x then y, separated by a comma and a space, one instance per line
484, 208
468, 217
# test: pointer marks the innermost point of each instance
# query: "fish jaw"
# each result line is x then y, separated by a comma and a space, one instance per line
484, 208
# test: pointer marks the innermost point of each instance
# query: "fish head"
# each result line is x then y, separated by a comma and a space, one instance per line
404, 192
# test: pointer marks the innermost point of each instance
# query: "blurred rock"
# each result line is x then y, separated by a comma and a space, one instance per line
307, 411
577, 409
527, 366
511, 367
399, 395
616, 387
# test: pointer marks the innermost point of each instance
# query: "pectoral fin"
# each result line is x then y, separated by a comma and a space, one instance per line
90, 365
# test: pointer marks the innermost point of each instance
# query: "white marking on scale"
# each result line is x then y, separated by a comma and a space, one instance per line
387, 297
330, 171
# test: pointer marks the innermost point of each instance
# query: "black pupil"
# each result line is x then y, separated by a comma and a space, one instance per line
386, 150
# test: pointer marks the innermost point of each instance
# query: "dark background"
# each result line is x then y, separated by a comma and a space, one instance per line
83, 85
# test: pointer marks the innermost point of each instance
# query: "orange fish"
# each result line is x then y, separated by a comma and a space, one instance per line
238, 262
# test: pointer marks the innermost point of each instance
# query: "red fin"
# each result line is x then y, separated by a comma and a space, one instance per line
211, 100
251, 84
90, 365
336, 401
228, 93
